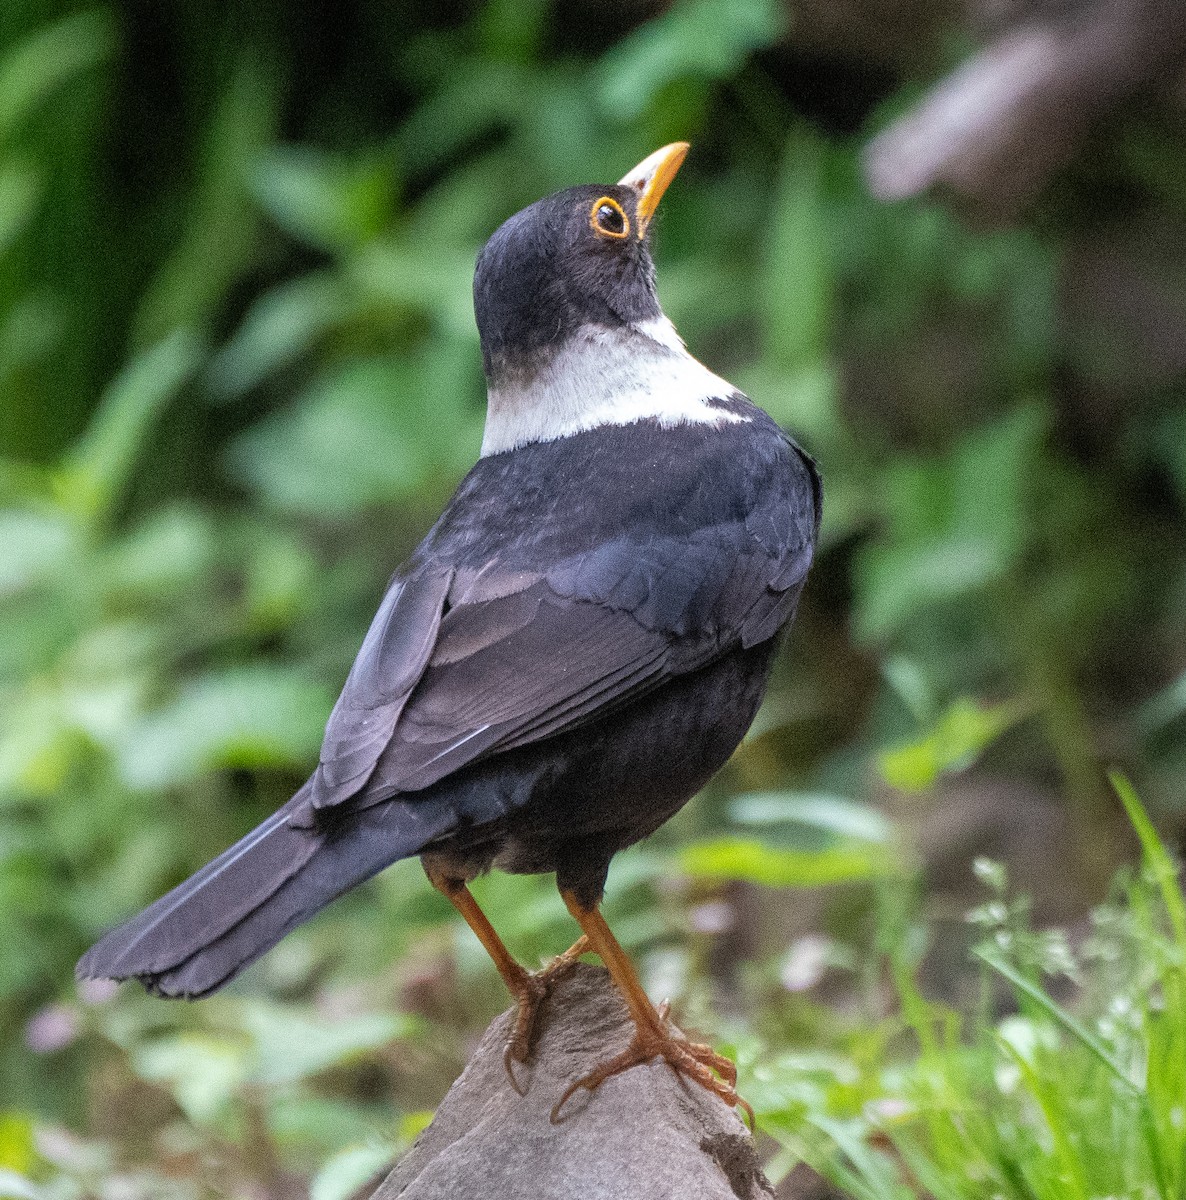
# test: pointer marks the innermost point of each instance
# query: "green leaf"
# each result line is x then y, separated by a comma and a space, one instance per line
18, 1152
322, 199
695, 39
33, 70
899, 579
369, 433
754, 862
1161, 710
203, 1071
830, 814
170, 550
291, 1045
955, 526
20, 193
1072, 1024
345, 1173
36, 746
252, 717
33, 546
280, 326
17, 1187
952, 744
422, 276
217, 240
96, 470
797, 283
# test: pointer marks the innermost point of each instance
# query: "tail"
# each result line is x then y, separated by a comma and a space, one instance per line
207, 929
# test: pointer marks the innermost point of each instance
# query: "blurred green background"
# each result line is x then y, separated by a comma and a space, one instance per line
238, 378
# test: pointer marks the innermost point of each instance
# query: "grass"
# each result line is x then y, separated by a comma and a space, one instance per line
1069, 1083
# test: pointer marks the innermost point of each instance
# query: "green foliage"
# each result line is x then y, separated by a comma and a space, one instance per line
805, 841
1052, 1100
956, 740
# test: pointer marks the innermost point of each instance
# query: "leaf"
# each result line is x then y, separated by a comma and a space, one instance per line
33, 546
696, 39
752, 861
365, 434
38, 66
1060, 1014
217, 241
96, 470
324, 200
422, 276
952, 744
280, 575
202, 1071
291, 1045
898, 580
170, 550
36, 747
830, 814
280, 326
251, 717
1161, 710
797, 284
18, 1153
955, 525
348, 1171
17, 1187
20, 193
1157, 858
911, 685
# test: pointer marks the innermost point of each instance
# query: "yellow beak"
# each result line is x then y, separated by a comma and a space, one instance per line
651, 177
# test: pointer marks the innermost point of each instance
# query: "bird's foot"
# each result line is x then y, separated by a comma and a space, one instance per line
533, 988
653, 1039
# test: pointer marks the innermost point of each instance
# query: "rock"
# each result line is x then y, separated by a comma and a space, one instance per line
645, 1134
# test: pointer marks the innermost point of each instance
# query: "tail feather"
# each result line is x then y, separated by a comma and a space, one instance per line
198, 936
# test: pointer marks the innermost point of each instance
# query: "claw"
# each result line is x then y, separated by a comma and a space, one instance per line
700, 1063
652, 1038
532, 991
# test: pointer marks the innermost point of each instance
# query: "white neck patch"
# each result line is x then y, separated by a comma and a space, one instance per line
607, 377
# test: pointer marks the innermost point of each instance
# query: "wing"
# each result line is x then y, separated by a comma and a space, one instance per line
459, 665
393, 656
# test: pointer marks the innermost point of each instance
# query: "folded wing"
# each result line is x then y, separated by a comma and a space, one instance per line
461, 664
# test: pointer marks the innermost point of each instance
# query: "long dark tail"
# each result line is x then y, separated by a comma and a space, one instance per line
207, 929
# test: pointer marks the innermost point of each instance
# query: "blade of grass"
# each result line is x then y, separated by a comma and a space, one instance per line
1048, 1100
1061, 1016
1156, 856
1093, 1044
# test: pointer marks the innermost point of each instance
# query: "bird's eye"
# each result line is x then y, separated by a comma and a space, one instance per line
608, 218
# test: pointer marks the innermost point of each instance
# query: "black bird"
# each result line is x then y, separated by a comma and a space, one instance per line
578, 644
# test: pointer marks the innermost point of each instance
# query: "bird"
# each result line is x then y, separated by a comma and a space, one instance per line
577, 646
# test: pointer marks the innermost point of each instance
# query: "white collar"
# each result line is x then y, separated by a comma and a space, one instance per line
604, 376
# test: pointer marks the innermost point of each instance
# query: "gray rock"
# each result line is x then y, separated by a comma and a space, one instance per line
644, 1134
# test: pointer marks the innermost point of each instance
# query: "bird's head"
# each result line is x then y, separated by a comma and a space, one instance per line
571, 328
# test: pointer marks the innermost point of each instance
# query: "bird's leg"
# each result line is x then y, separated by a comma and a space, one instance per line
652, 1037
530, 988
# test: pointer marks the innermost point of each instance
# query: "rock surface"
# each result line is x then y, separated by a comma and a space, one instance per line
643, 1134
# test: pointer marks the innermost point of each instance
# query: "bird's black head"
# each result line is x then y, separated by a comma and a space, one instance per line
576, 259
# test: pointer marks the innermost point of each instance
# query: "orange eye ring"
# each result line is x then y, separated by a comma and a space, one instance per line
608, 218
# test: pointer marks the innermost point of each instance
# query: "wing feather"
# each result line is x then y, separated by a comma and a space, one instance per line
393, 657
463, 664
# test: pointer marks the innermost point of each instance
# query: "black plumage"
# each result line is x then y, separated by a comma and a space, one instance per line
578, 644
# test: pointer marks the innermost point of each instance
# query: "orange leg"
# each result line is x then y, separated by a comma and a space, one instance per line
529, 988
652, 1039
